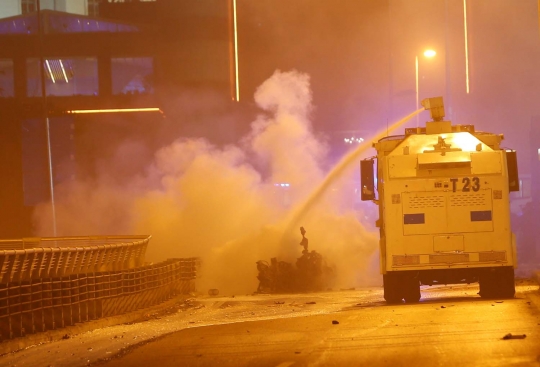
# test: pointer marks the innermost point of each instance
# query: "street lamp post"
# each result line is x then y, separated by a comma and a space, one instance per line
428, 54
45, 112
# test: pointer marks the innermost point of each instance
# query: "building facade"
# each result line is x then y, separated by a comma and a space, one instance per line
98, 56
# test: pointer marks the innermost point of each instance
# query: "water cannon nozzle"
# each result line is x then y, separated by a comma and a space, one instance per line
435, 106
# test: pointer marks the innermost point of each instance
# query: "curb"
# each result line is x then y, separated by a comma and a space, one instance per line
16, 344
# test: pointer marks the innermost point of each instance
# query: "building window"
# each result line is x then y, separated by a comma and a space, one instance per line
132, 75
63, 77
6, 78
93, 8
28, 6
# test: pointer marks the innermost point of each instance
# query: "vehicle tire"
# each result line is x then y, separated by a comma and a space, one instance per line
412, 290
506, 283
487, 284
393, 290
497, 283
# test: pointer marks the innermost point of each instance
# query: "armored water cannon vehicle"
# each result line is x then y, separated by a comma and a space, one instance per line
444, 211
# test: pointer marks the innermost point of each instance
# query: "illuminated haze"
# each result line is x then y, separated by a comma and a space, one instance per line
221, 203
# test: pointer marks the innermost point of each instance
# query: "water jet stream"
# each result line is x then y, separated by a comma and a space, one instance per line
298, 214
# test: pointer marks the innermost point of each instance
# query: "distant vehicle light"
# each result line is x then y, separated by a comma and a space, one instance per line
353, 140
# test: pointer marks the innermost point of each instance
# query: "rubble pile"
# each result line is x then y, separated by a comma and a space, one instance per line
310, 273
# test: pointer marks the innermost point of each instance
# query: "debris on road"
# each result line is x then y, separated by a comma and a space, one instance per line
213, 292
335, 322
311, 303
511, 336
310, 273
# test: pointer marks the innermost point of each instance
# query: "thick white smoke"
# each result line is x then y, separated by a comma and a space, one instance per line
221, 203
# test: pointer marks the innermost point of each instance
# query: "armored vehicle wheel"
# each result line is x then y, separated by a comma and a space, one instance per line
412, 290
499, 282
393, 290
486, 287
507, 283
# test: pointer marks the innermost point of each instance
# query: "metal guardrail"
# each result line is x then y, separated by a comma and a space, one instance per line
49, 303
75, 241
60, 256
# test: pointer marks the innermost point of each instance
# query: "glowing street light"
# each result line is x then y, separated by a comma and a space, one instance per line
429, 54
465, 32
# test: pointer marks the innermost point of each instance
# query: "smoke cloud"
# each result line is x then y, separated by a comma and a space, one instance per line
221, 204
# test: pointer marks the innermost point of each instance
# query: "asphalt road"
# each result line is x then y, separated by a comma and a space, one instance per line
451, 328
